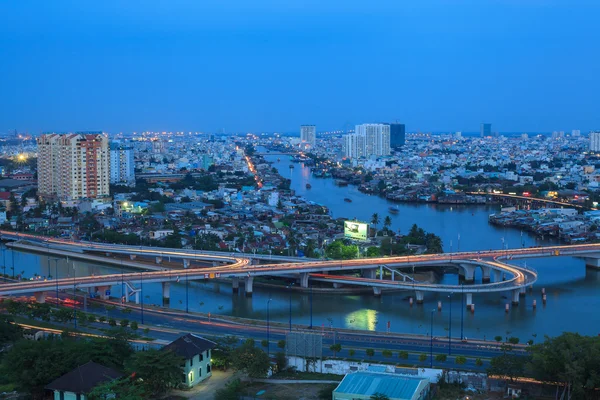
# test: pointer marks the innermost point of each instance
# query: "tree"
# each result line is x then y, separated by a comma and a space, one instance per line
9, 332
335, 348
422, 357
498, 338
513, 340
375, 220
508, 364
134, 325
230, 391
370, 352
280, 360
478, 362
156, 370
112, 322
222, 355
124, 323
387, 222
264, 343
403, 354
122, 389
281, 344
351, 352
460, 360
386, 353
379, 396
441, 357
251, 360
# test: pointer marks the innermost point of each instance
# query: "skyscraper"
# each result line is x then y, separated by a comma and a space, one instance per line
73, 166
377, 138
595, 141
486, 130
122, 165
308, 134
354, 146
397, 135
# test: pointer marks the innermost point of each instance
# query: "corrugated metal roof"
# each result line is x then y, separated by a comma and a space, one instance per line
369, 383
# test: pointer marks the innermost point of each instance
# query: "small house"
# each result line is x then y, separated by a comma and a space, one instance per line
75, 385
196, 352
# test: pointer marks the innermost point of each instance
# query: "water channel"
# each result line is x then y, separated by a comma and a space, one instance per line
573, 291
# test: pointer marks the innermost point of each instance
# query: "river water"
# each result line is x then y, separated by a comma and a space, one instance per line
573, 291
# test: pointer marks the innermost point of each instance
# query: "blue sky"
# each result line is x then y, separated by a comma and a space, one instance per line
203, 65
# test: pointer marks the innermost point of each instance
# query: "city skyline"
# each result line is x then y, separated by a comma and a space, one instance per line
201, 67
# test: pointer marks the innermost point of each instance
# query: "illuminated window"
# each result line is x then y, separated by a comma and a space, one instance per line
191, 376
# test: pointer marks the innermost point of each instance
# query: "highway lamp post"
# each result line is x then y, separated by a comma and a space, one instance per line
268, 325
458, 244
462, 309
12, 253
74, 298
122, 285
450, 323
431, 341
4, 261
56, 277
142, 295
311, 304
187, 310
290, 288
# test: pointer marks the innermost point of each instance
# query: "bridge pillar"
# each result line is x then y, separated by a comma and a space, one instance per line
158, 260
515, 297
485, 274
377, 291
304, 279
523, 291
497, 275
166, 293
40, 297
248, 285
419, 296
186, 263
469, 300
469, 271
132, 256
235, 284
337, 285
369, 273
592, 262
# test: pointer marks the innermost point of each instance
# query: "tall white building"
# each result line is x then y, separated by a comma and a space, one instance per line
308, 134
576, 133
377, 138
73, 166
354, 146
122, 164
595, 141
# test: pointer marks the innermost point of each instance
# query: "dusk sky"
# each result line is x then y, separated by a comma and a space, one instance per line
203, 65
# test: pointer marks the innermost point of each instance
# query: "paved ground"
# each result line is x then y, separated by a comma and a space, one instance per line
206, 390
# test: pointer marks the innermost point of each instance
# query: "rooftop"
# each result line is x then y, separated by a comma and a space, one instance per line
368, 383
190, 345
84, 378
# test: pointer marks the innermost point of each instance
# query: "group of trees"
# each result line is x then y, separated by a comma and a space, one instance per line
571, 360
31, 365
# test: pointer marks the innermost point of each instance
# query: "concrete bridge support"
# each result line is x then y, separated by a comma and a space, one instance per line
40, 297
303, 279
469, 272
497, 275
132, 257
523, 291
377, 291
248, 285
235, 284
369, 273
186, 263
158, 260
166, 293
592, 262
486, 272
419, 295
515, 297
469, 297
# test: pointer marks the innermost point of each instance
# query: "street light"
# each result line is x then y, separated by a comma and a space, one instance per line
311, 302
268, 327
187, 310
462, 309
142, 294
290, 287
4, 261
56, 278
450, 324
431, 341
74, 298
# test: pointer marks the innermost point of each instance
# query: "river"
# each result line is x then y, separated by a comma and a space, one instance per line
573, 291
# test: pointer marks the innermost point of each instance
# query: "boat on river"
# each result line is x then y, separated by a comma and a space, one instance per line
308, 186
347, 200
394, 210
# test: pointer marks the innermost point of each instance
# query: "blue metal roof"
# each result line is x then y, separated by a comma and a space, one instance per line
369, 383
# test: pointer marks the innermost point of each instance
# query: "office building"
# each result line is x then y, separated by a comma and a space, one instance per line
377, 139
576, 133
397, 135
122, 164
73, 166
308, 134
486, 130
595, 142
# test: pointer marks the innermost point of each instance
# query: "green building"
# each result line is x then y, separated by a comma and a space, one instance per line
196, 352
362, 385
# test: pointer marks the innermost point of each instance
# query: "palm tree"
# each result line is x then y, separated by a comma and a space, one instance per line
375, 220
387, 222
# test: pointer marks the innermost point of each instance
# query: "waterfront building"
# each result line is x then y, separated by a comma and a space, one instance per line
376, 137
485, 130
308, 134
595, 141
397, 135
122, 164
73, 166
